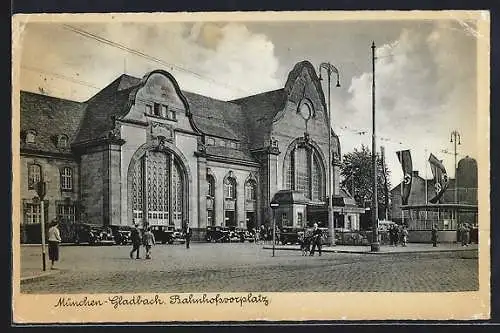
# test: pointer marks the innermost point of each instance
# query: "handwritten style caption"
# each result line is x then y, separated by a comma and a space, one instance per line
118, 301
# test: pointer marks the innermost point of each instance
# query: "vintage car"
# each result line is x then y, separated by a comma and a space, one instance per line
122, 234
178, 237
93, 234
164, 234
217, 234
289, 235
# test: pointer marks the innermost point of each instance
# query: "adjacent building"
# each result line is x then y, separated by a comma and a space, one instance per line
457, 205
142, 150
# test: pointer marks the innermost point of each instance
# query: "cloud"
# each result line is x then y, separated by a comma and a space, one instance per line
425, 87
221, 60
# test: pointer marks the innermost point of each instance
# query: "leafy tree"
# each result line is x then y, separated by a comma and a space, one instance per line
357, 173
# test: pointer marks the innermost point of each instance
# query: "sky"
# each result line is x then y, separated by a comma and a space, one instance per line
425, 71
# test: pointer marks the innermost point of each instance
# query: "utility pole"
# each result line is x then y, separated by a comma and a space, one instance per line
329, 70
375, 245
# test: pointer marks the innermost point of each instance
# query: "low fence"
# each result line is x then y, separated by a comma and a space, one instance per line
360, 237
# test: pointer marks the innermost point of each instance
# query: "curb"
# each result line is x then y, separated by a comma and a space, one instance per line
374, 253
39, 277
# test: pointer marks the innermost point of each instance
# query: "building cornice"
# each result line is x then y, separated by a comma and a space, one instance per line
228, 160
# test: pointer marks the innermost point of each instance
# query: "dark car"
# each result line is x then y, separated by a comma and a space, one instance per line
164, 234
93, 234
217, 234
289, 235
122, 235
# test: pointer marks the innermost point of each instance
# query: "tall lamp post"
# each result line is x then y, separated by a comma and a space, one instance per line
375, 245
453, 138
329, 70
274, 205
41, 189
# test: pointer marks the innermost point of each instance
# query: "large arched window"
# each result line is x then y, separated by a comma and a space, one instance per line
158, 189
304, 171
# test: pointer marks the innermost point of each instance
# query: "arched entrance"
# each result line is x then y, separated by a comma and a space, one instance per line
158, 189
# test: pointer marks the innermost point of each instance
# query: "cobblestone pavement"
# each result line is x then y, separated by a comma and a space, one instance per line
248, 267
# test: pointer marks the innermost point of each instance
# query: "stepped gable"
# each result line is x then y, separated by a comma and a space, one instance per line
49, 117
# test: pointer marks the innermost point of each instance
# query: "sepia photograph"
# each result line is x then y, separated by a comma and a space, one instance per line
248, 166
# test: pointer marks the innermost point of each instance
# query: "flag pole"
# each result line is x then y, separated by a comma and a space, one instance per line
426, 194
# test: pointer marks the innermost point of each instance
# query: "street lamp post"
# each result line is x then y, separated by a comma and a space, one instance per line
41, 189
329, 70
274, 205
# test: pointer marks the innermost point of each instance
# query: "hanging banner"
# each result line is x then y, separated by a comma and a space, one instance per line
440, 178
404, 157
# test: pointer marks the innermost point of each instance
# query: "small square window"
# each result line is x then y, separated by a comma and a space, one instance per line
210, 141
149, 109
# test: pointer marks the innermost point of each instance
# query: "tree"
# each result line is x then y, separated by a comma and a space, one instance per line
357, 173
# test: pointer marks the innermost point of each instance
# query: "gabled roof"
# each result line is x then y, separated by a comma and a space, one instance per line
260, 111
102, 107
49, 117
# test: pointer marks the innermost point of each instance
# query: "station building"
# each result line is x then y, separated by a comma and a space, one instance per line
144, 151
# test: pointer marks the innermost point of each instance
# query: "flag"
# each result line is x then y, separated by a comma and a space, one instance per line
404, 157
440, 178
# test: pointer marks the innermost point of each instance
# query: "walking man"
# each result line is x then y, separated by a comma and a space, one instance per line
149, 241
434, 235
136, 242
187, 235
316, 239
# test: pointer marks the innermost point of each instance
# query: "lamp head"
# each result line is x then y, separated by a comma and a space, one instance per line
338, 83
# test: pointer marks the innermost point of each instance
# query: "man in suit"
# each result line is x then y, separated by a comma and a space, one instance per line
316, 239
136, 241
187, 234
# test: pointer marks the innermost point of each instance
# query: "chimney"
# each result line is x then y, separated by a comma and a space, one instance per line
415, 173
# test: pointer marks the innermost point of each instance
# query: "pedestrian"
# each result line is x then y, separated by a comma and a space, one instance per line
149, 241
277, 231
463, 235
434, 235
316, 239
467, 234
262, 233
187, 234
404, 234
54, 241
136, 241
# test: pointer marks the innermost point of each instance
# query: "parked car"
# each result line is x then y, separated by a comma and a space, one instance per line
164, 234
93, 234
217, 234
289, 235
178, 237
122, 234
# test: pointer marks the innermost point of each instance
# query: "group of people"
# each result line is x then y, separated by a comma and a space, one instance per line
310, 240
265, 234
465, 234
398, 234
147, 239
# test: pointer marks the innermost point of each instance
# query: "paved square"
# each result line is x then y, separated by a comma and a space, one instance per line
247, 267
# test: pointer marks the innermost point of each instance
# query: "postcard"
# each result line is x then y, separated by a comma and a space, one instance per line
250, 166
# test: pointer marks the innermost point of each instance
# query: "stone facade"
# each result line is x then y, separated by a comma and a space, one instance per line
144, 151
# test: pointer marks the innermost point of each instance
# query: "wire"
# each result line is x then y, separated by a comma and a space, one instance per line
60, 76
145, 56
